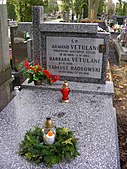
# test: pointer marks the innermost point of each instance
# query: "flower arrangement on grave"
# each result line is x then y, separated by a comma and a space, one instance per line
111, 23
122, 38
36, 149
38, 74
124, 41
116, 28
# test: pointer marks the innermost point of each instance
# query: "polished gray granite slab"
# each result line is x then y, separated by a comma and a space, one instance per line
91, 116
105, 89
65, 27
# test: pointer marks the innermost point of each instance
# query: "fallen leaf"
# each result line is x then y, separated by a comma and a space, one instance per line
121, 87
123, 107
120, 99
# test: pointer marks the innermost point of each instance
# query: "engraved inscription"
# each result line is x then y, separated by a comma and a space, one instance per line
74, 56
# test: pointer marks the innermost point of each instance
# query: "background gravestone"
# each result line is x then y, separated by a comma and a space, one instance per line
5, 70
21, 52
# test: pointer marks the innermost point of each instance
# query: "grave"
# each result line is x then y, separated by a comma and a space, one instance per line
90, 112
5, 69
121, 52
119, 19
120, 45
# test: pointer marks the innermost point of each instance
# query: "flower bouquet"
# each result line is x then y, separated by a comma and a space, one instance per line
37, 73
116, 28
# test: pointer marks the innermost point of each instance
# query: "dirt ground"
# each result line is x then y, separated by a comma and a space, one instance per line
119, 77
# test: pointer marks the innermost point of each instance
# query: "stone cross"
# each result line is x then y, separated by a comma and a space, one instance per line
37, 17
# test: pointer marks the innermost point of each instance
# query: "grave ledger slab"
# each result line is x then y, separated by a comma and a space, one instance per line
90, 115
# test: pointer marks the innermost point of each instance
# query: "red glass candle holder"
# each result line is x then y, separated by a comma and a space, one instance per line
65, 92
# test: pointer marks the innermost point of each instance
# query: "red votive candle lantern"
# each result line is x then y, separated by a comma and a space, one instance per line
65, 92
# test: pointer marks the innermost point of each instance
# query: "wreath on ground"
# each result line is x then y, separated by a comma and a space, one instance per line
64, 148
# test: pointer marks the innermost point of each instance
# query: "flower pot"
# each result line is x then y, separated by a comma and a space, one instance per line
38, 82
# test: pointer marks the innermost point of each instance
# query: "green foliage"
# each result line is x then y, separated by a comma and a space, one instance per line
23, 8
94, 4
37, 73
101, 6
34, 73
34, 77
121, 8
11, 11
52, 6
111, 11
124, 9
79, 5
64, 147
66, 5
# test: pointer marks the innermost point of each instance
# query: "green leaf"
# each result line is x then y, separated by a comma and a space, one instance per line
22, 70
40, 73
66, 130
49, 81
30, 71
28, 138
30, 80
28, 155
35, 77
26, 74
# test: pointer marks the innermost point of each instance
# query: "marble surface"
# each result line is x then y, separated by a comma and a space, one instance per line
91, 116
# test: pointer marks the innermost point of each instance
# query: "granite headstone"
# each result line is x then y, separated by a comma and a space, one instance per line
75, 51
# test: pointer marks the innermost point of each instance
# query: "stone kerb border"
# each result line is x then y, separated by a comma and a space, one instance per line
42, 30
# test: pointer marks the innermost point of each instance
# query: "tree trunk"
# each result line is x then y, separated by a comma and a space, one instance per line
93, 8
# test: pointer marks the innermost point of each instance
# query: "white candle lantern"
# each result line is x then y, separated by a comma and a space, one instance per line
49, 132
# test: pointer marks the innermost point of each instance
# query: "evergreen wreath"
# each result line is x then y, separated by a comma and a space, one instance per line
64, 148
